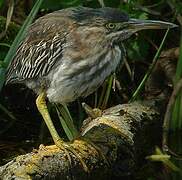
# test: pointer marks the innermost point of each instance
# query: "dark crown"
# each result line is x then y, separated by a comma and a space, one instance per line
109, 14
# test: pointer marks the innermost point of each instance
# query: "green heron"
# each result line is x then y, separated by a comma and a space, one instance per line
68, 54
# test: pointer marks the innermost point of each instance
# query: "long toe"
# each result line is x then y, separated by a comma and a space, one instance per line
70, 152
78, 155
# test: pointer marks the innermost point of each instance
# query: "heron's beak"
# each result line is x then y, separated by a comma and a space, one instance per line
133, 25
138, 24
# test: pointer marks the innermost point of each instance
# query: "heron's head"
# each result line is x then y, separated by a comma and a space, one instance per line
114, 24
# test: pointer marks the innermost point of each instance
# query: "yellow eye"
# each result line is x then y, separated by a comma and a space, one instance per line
110, 26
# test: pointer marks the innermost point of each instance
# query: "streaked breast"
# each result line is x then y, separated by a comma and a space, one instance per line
79, 79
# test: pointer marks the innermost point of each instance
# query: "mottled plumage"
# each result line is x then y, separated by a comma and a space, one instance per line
69, 53
66, 54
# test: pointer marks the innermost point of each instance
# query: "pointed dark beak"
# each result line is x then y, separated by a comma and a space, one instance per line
137, 24
133, 25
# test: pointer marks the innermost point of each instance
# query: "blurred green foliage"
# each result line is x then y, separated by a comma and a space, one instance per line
1, 3
177, 6
9, 37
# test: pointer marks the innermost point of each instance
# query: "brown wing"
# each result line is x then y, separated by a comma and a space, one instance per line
41, 48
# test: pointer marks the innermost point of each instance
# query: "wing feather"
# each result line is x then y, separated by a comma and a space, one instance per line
39, 51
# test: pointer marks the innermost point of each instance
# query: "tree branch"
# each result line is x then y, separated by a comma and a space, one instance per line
110, 146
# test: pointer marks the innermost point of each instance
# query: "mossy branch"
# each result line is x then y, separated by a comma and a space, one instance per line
110, 145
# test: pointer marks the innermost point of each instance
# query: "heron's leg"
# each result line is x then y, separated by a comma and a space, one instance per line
42, 107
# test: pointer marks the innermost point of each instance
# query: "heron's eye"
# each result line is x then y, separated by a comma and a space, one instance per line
111, 26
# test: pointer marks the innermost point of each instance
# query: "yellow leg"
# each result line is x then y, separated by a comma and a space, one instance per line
42, 107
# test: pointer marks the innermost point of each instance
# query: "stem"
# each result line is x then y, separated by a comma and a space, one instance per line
140, 87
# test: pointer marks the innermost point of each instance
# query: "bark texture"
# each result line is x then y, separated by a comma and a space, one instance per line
109, 146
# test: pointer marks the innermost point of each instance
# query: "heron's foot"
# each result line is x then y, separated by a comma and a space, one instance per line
68, 148
93, 113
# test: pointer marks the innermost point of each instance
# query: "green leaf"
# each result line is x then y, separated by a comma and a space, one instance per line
5, 44
51, 5
176, 122
70, 3
9, 13
164, 158
66, 121
1, 3
143, 15
142, 83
